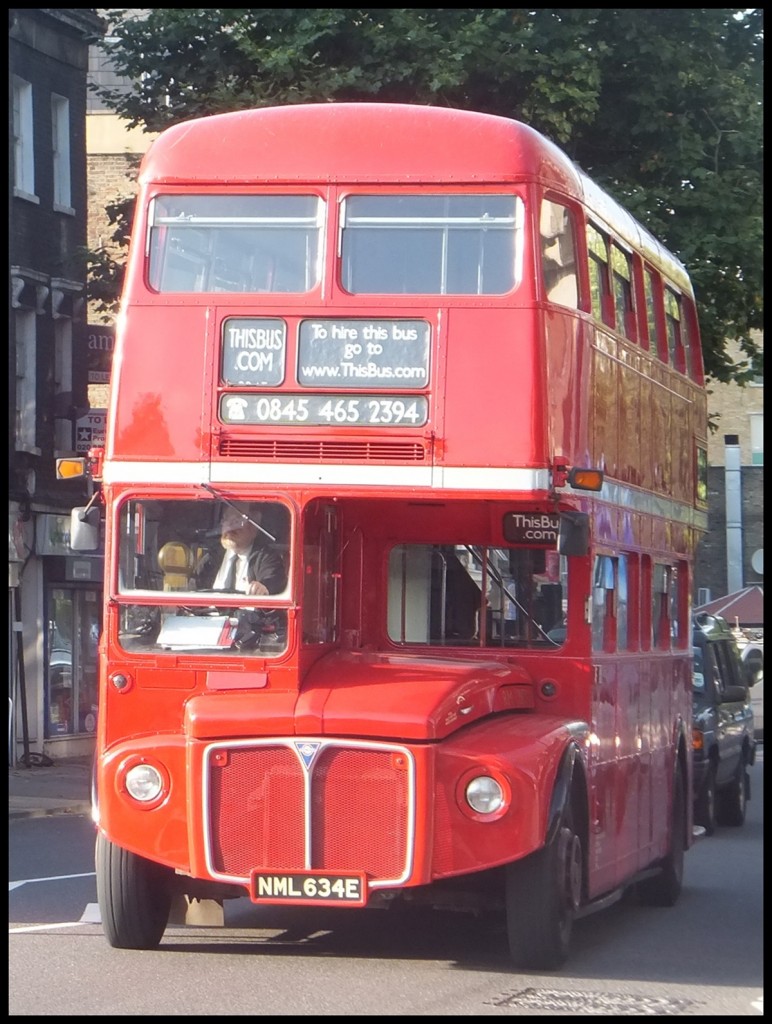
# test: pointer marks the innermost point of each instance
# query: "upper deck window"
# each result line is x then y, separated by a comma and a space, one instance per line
236, 243
600, 285
651, 292
558, 254
673, 326
621, 276
431, 245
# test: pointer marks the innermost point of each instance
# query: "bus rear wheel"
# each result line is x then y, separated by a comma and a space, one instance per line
543, 892
134, 896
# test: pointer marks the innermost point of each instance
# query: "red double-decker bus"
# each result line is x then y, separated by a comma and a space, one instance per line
452, 395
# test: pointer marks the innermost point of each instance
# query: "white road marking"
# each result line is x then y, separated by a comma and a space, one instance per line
51, 878
44, 927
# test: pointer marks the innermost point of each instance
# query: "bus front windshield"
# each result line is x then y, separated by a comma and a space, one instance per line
172, 553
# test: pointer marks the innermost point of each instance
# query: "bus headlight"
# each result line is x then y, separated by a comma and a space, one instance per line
484, 795
144, 783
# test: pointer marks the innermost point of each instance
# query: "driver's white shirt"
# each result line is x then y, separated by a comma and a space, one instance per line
241, 571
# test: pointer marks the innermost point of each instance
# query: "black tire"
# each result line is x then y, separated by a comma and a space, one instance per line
664, 888
705, 804
732, 801
542, 895
134, 896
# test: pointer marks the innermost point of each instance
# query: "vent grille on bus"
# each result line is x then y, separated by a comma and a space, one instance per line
321, 451
354, 818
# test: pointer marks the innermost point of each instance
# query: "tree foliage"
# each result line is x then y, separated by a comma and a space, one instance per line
661, 107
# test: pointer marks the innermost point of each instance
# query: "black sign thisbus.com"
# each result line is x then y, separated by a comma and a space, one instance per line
349, 355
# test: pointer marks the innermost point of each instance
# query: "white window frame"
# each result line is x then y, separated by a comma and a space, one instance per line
60, 147
26, 381
23, 141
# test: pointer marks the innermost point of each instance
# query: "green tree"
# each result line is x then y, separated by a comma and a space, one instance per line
661, 107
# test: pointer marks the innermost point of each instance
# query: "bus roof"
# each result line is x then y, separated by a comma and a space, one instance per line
386, 144
352, 143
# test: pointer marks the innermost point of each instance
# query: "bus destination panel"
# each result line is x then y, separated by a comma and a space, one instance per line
341, 353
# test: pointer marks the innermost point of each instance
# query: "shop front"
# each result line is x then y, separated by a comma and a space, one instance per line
54, 624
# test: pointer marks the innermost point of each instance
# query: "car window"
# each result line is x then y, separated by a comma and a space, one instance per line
698, 677
727, 664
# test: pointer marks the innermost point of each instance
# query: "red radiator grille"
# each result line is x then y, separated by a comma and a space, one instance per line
256, 810
359, 810
321, 451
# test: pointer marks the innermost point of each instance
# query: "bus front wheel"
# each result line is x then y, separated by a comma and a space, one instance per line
134, 896
542, 896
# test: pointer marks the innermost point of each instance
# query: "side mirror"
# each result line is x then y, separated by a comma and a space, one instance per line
84, 528
574, 533
734, 695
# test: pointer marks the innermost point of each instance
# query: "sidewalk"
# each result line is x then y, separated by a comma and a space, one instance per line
62, 788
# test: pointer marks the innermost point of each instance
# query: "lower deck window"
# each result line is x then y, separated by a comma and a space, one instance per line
468, 595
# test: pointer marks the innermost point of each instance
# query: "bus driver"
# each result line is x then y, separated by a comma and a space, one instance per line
248, 566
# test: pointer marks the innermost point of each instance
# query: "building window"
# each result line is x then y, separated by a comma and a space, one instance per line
63, 385
23, 153
60, 141
72, 632
26, 406
757, 438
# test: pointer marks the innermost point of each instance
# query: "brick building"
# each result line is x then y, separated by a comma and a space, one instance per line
731, 555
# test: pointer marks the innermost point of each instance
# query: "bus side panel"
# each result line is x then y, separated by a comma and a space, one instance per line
523, 751
682, 437
156, 831
630, 413
161, 395
605, 390
491, 353
567, 383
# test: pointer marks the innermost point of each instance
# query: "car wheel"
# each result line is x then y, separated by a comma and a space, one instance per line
134, 896
732, 801
705, 804
543, 892
664, 888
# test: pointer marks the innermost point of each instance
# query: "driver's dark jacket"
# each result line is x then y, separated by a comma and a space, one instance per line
263, 564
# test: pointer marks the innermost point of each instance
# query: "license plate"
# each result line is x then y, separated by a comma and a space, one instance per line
307, 887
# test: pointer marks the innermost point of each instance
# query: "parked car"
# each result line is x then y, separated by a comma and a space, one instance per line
723, 740
752, 655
